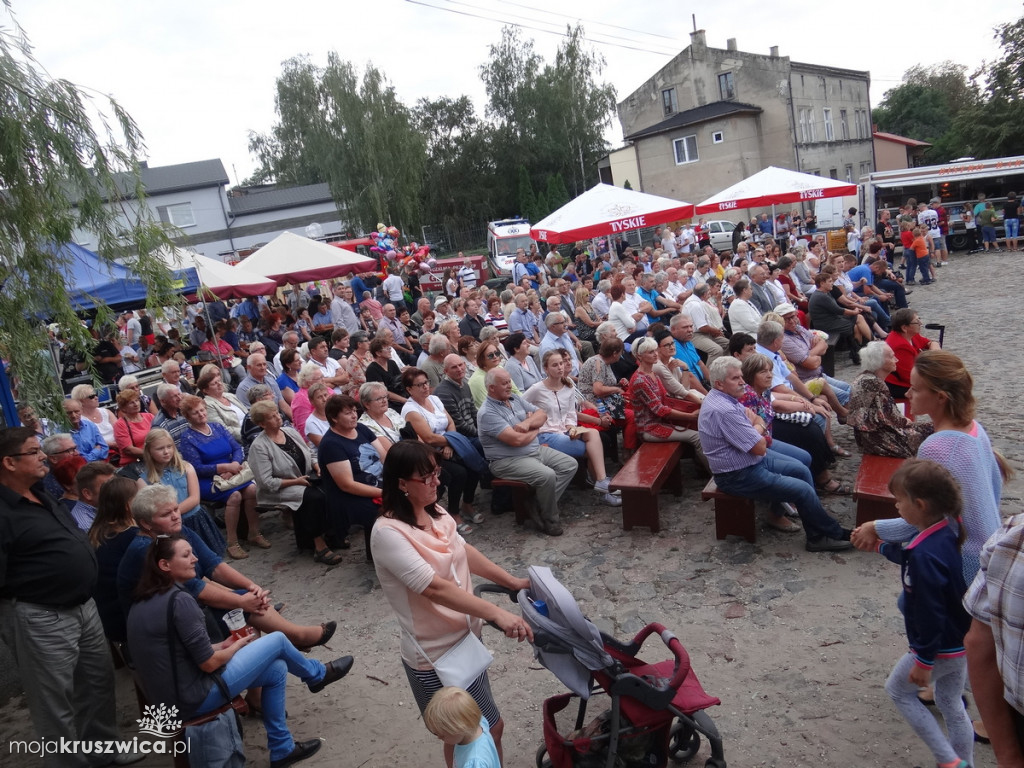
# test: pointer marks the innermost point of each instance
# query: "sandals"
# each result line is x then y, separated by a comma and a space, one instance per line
835, 488
464, 529
839, 451
476, 517
326, 556
236, 552
259, 540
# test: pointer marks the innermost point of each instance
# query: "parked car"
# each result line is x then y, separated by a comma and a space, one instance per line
720, 234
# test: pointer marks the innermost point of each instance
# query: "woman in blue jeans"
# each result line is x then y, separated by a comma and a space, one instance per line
166, 626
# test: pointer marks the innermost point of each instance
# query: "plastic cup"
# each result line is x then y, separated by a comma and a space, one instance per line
235, 621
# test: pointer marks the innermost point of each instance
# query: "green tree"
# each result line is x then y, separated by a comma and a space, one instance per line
460, 188
926, 104
557, 195
526, 198
355, 134
63, 175
994, 127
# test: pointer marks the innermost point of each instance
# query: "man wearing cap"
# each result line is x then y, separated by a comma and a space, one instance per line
443, 309
805, 350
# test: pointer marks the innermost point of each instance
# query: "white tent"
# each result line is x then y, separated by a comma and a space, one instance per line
222, 280
289, 258
607, 210
775, 186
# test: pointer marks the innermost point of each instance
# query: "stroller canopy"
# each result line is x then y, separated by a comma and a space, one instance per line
575, 647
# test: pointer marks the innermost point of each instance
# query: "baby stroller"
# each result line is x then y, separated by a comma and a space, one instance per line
656, 711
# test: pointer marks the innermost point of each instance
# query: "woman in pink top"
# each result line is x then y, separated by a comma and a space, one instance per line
425, 570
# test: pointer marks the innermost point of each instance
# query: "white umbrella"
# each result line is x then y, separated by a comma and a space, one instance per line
607, 210
290, 258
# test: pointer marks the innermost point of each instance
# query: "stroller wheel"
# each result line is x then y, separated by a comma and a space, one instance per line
542, 757
684, 741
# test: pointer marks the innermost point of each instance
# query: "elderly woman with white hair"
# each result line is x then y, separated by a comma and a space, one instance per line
384, 422
132, 382
656, 421
880, 428
104, 419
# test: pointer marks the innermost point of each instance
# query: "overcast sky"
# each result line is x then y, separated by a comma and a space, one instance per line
198, 76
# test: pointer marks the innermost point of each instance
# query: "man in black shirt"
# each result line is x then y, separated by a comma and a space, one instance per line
48, 618
108, 358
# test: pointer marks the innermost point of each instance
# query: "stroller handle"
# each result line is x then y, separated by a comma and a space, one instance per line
682, 667
488, 587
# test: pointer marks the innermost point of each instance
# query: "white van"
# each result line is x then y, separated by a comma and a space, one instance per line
504, 238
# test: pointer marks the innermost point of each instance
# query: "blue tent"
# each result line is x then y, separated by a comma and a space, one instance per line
88, 277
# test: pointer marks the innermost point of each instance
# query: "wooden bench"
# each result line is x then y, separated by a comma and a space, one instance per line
522, 494
871, 491
641, 479
734, 515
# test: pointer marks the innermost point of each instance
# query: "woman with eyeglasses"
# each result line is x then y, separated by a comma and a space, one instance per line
381, 420
907, 343
488, 356
427, 416
467, 348
425, 569
131, 428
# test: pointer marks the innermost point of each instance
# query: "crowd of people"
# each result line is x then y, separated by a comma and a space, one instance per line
360, 405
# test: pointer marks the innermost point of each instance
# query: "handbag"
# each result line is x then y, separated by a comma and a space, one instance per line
235, 481
465, 661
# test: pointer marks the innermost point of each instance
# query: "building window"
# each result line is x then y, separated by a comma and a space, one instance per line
816, 172
829, 131
668, 101
686, 150
849, 174
844, 128
179, 215
808, 119
726, 88
865, 168
717, 137
860, 117
833, 174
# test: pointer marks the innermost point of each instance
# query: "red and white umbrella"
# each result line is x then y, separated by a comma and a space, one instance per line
607, 210
222, 280
775, 186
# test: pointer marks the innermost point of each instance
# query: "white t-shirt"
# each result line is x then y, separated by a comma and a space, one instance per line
929, 218
437, 421
394, 287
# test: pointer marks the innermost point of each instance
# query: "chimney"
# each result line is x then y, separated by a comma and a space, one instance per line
774, 51
698, 41
730, 44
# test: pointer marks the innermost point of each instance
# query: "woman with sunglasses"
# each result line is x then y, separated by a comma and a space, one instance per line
488, 356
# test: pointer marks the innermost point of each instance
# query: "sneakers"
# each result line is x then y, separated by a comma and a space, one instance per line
911, 282
602, 487
611, 500
825, 544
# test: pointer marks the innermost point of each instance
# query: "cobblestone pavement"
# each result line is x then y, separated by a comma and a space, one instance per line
796, 645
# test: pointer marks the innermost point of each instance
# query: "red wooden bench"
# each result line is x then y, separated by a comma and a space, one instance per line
871, 490
642, 478
522, 494
734, 515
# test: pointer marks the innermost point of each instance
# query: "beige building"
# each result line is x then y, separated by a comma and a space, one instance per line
712, 117
893, 153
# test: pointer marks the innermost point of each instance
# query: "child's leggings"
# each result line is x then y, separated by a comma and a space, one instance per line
948, 677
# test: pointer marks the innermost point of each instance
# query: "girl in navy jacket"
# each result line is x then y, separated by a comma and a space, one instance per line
928, 498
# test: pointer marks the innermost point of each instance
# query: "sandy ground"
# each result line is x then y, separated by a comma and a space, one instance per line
796, 645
